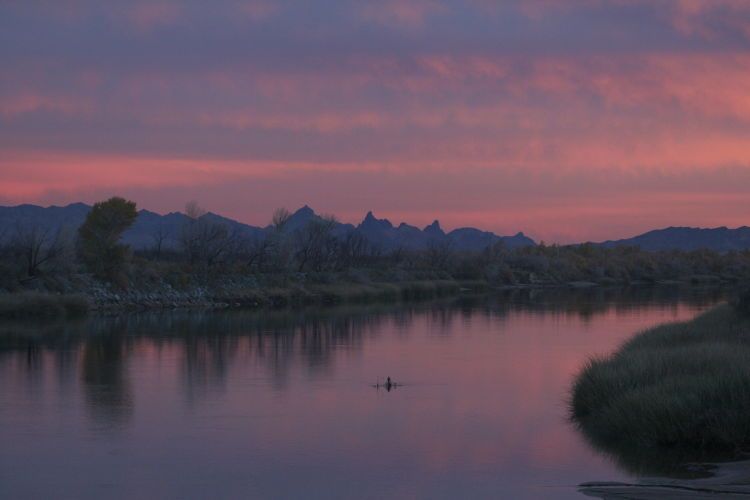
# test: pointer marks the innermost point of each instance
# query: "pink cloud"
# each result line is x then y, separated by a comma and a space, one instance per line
693, 17
258, 10
404, 13
28, 102
146, 16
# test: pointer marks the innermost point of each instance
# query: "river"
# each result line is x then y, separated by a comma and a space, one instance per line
281, 404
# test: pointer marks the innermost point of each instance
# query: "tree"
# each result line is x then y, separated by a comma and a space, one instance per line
280, 217
315, 244
256, 252
355, 250
275, 246
159, 237
205, 241
37, 247
99, 236
439, 255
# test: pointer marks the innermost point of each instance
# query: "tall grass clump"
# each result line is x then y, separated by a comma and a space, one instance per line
680, 388
36, 305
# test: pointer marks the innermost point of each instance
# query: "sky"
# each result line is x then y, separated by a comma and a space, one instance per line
569, 120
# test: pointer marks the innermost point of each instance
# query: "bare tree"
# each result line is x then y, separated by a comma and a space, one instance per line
354, 250
193, 210
397, 256
159, 237
315, 244
280, 217
37, 246
257, 252
439, 255
203, 240
274, 251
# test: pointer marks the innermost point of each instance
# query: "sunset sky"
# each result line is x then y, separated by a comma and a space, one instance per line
566, 119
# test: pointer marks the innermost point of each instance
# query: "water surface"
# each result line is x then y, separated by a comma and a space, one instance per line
280, 404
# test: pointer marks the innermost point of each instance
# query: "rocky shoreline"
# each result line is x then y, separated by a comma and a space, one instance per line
95, 296
246, 292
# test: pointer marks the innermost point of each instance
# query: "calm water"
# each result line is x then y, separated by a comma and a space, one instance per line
279, 405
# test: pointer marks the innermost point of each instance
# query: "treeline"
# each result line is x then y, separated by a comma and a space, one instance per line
209, 250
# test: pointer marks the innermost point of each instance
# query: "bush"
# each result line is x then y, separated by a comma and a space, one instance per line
42, 305
75, 305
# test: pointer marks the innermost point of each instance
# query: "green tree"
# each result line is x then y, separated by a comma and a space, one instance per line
99, 237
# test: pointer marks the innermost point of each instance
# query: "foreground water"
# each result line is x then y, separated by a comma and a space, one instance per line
280, 404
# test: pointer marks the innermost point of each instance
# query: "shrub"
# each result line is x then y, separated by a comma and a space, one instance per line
41, 305
75, 305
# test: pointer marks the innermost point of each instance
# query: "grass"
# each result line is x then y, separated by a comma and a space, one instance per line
682, 389
30, 305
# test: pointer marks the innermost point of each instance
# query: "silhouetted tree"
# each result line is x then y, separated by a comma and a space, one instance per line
38, 247
355, 250
315, 245
280, 218
257, 252
439, 255
159, 236
99, 236
205, 241
276, 245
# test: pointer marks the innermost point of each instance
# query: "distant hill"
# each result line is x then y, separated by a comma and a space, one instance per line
150, 227
720, 239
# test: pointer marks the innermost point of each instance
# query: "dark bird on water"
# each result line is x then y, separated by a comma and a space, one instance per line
388, 385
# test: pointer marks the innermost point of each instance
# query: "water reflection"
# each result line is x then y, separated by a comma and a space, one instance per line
208, 342
105, 380
675, 463
482, 411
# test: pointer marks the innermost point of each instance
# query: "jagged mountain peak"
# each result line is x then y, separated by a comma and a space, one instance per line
371, 222
304, 211
434, 229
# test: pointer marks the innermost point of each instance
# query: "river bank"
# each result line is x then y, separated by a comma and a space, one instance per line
104, 298
88, 295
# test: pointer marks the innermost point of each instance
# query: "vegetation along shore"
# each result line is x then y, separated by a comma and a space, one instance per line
302, 260
674, 394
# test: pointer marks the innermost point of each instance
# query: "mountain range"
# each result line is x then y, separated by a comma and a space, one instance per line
150, 226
